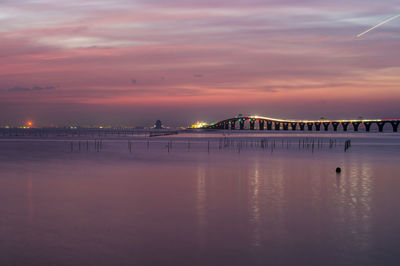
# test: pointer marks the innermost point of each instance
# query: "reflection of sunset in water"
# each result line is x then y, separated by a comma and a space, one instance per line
198, 206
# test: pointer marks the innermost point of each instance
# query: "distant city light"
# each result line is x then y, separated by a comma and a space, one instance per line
199, 124
29, 124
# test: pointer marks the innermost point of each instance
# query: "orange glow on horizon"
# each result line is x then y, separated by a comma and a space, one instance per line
29, 123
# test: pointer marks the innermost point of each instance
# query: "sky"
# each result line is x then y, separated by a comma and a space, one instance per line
131, 62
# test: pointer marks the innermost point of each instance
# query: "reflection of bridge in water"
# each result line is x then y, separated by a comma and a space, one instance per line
267, 123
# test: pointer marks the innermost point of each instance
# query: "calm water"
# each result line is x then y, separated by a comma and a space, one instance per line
206, 201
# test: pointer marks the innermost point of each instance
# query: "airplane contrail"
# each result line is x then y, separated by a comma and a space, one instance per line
378, 25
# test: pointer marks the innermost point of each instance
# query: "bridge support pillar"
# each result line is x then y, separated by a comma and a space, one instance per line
310, 126
277, 126
269, 125
367, 126
355, 125
335, 125
233, 125
345, 125
326, 125
301, 125
261, 124
241, 123
380, 124
294, 125
285, 126
318, 126
252, 123
395, 125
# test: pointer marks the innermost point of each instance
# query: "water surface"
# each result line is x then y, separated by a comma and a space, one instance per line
201, 201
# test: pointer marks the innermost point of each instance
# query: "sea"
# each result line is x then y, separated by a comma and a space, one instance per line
201, 198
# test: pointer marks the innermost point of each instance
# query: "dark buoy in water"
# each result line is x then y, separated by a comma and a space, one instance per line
338, 170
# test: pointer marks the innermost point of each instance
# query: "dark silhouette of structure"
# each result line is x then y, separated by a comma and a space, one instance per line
158, 125
267, 123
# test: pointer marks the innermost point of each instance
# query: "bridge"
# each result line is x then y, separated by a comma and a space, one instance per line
268, 123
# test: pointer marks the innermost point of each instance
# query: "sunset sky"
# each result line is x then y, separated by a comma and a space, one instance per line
131, 62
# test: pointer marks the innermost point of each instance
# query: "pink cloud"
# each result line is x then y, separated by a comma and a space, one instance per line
245, 55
